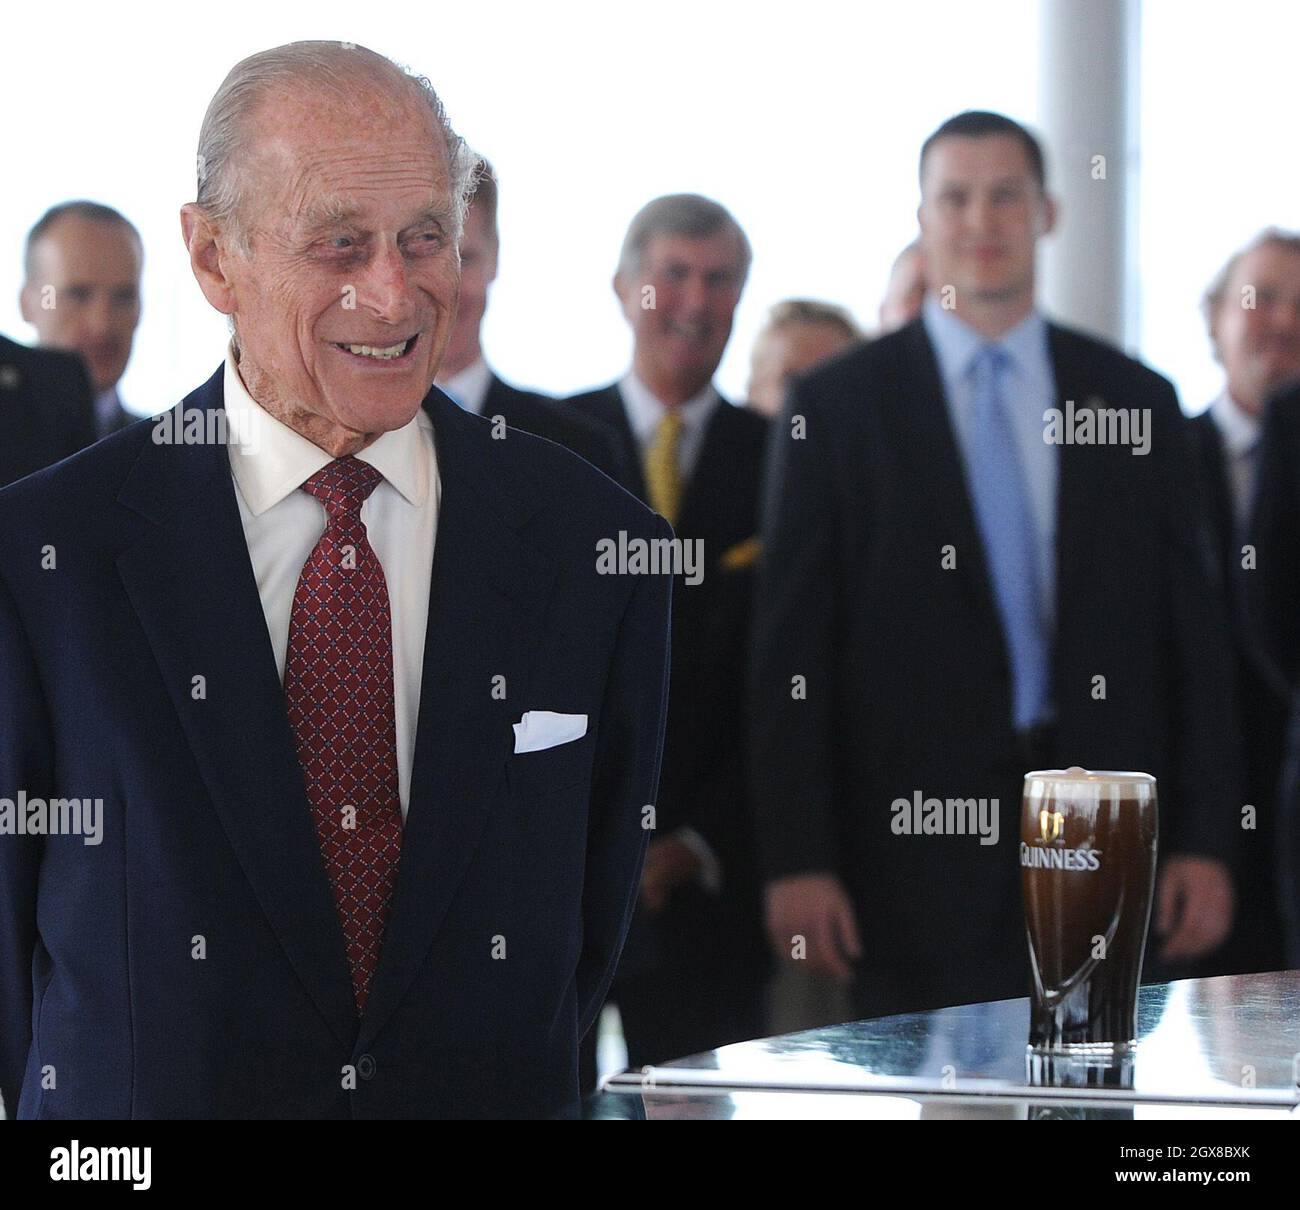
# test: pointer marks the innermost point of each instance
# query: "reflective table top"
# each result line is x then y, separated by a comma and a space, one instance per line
1219, 1048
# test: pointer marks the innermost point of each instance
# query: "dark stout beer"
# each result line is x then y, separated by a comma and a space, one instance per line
1087, 867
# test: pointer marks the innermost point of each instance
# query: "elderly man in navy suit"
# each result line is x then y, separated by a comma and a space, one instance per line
325, 750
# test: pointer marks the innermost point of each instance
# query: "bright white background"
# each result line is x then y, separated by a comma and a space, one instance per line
804, 118
1219, 161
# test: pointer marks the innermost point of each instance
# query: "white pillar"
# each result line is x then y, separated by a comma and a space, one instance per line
1088, 111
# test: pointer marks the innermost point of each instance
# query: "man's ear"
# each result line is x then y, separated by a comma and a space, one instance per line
1050, 215
1212, 323
210, 253
621, 289
25, 302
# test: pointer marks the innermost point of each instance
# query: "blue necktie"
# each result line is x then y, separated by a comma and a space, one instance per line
1006, 524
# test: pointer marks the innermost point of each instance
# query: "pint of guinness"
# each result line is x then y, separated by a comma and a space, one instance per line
1087, 868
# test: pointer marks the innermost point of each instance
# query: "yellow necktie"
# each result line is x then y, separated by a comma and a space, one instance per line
662, 476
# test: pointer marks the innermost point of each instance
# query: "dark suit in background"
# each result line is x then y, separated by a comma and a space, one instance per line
46, 412
1276, 596
908, 681
692, 974
1273, 594
545, 417
1256, 940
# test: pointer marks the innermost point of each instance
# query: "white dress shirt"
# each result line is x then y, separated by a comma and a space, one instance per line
1240, 432
469, 388
282, 525
644, 412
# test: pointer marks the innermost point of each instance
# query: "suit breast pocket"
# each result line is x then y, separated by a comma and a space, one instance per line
533, 774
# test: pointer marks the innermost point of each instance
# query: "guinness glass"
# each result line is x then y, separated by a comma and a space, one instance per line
1087, 867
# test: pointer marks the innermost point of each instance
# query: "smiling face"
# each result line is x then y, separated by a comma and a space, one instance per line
1256, 324
93, 268
344, 301
696, 285
981, 214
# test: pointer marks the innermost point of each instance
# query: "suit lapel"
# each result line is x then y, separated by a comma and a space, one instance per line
489, 586
192, 586
497, 402
937, 463
1214, 479
1090, 498
612, 412
709, 498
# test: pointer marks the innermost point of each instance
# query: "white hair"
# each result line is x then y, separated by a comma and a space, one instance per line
343, 69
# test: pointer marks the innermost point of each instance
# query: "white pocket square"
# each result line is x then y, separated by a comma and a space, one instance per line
540, 729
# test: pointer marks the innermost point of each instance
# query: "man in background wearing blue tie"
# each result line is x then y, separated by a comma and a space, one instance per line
954, 591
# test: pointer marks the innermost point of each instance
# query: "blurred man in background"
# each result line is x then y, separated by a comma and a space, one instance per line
799, 334
951, 596
905, 290
81, 292
465, 374
1272, 592
693, 972
45, 409
1253, 312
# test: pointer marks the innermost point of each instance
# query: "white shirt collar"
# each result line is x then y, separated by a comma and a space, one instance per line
269, 460
645, 411
956, 343
1240, 430
469, 388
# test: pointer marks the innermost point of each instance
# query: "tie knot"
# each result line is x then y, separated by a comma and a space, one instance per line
343, 485
670, 427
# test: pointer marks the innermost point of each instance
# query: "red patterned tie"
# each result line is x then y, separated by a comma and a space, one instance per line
338, 685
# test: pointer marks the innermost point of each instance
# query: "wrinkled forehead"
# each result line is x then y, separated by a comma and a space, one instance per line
318, 159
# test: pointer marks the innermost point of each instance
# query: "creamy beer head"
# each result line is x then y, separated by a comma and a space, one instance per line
1087, 868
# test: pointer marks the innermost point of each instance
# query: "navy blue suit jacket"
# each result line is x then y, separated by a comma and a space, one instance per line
908, 680
192, 964
46, 409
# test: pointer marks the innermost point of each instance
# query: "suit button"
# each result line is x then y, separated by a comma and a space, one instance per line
366, 1067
